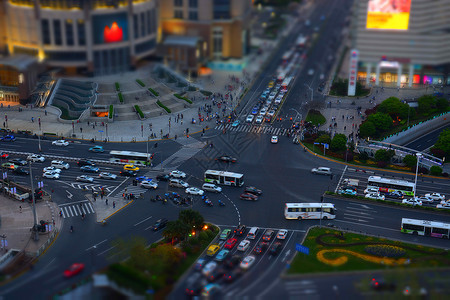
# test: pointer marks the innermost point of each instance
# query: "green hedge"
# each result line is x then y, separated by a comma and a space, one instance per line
153, 92
206, 93
163, 106
111, 111
120, 97
117, 86
183, 98
139, 111
128, 277
140, 82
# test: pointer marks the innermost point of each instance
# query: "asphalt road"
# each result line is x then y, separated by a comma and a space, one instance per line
426, 141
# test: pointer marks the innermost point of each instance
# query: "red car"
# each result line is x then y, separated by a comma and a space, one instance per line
248, 196
230, 243
4, 155
73, 270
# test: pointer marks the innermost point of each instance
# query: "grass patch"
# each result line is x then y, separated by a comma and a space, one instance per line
117, 86
315, 117
155, 93
140, 82
206, 93
183, 98
120, 97
111, 111
329, 251
65, 113
163, 106
139, 111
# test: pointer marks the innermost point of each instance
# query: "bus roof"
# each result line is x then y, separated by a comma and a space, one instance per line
302, 205
224, 173
425, 222
392, 181
129, 153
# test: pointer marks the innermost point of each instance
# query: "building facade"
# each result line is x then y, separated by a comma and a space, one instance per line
222, 28
403, 42
94, 36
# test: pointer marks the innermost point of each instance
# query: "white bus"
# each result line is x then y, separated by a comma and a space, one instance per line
225, 178
427, 228
389, 185
131, 157
301, 211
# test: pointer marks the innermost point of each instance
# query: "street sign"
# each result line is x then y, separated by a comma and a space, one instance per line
302, 249
316, 143
100, 131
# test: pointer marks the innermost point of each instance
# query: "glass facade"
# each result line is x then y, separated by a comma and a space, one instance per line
111, 61
178, 3
178, 14
221, 9
45, 27
57, 32
193, 15
193, 3
81, 33
69, 33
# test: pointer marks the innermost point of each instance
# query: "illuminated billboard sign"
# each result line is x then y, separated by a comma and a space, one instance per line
111, 28
388, 14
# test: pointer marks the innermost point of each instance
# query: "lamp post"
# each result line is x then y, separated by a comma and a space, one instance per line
419, 155
312, 91
36, 234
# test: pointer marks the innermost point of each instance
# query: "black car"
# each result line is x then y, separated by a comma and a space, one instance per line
21, 171
261, 247
232, 275
19, 162
128, 173
395, 195
82, 163
163, 177
252, 190
276, 248
240, 230
380, 284
231, 262
161, 223
226, 158
195, 284
216, 274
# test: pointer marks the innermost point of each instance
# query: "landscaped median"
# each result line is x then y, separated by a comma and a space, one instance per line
183, 98
155, 93
163, 106
139, 111
334, 251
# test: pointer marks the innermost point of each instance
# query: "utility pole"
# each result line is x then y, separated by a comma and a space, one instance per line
35, 227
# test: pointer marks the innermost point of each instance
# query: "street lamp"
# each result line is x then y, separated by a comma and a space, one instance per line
419, 155
312, 91
36, 234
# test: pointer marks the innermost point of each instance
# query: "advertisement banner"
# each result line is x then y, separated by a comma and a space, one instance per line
388, 14
352, 73
111, 28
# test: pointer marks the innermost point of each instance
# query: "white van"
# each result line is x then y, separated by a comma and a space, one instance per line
252, 233
178, 183
60, 164
209, 187
321, 171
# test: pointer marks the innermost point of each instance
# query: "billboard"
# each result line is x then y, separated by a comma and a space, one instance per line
388, 14
111, 28
352, 72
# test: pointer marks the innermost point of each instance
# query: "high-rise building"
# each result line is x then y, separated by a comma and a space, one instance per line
402, 42
196, 31
92, 36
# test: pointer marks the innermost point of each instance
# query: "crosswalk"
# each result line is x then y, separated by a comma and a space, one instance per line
76, 209
303, 289
258, 129
359, 213
90, 186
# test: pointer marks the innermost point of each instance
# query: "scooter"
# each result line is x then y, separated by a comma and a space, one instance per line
221, 203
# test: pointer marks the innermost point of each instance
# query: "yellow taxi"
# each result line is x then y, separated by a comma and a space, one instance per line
131, 168
271, 84
212, 250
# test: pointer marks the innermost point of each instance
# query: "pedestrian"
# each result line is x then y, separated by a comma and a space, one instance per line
106, 201
20, 208
101, 196
114, 204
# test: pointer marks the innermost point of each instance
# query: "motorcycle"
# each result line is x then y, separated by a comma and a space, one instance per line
221, 203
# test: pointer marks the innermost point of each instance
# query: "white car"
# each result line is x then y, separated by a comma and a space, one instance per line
60, 143
249, 118
209, 267
85, 178
282, 234
322, 76
247, 262
36, 157
52, 169
259, 119
177, 174
371, 191
374, 196
263, 112
424, 199
311, 72
107, 175
51, 175
412, 201
435, 196
194, 191
274, 139
444, 205
243, 245
149, 184
271, 113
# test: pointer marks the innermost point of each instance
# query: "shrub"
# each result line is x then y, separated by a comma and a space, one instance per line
324, 138
140, 82
183, 98
163, 106
363, 156
339, 142
442, 104
153, 92
139, 111
120, 97
423, 170
206, 93
410, 160
435, 170
117, 86
367, 129
111, 111
192, 88
129, 277
385, 250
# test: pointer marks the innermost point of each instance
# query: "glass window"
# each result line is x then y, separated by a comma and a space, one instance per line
178, 3
193, 15
45, 32
81, 33
413, 227
69, 33
149, 22
65, 56
193, 3
143, 27
136, 26
440, 230
222, 9
57, 32
145, 46
178, 14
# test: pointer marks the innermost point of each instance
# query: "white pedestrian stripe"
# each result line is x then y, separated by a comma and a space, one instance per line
74, 210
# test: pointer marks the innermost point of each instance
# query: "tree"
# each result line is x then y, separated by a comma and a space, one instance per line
324, 138
339, 142
394, 107
426, 104
165, 258
435, 170
443, 142
382, 155
367, 129
176, 230
442, 104
410, 160
382, 121
191, 218
135, 248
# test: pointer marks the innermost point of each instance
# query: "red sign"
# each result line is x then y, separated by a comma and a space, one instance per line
115, 34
